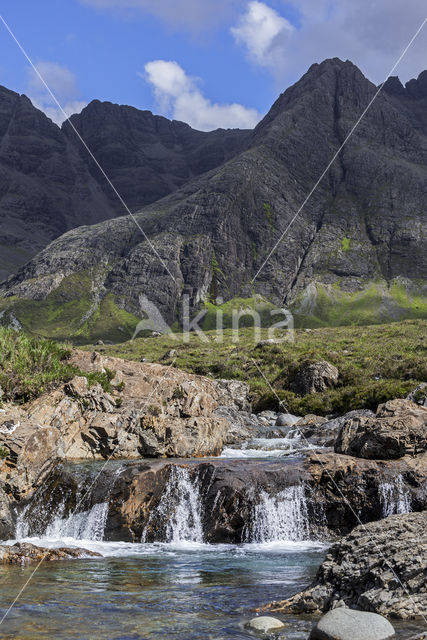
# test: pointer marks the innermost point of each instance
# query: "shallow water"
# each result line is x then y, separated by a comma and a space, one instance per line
183, 591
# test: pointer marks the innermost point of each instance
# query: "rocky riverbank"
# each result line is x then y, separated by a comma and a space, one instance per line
378, 567
362, 467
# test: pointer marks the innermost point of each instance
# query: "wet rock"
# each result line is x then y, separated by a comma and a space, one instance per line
348, 624
265, 624
315, 377
6, 522
399, 428
378, 567
23, 552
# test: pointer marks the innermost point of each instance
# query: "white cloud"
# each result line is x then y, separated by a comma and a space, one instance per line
62, 83
179, 96
370, 34
190, 15
264, 32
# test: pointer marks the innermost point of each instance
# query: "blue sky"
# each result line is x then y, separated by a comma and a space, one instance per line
210, 63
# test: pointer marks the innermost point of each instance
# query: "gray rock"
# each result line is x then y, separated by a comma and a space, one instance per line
233, 393
419, 395
315, 377
286, 420
348, 624
265, 624
399, 428
379, 567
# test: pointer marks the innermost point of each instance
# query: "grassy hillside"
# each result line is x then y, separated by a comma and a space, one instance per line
376, 363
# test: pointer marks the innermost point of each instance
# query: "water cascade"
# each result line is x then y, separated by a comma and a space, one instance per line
394, 497
179, 510
279, 518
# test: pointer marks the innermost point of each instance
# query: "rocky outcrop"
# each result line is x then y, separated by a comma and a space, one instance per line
323, 432
314, 377
151, 411
399, 428
352, 490
23, 552
378, 567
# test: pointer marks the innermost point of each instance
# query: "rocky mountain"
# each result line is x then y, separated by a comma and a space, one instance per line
355, 253
49, 184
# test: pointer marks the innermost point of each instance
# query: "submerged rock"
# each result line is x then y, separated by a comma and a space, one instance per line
378, 567
22, 552
348, 624
265, 624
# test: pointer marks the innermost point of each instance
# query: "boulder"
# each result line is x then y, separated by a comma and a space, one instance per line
265, 624
379, 567
347, 624
419, 395
321, 432
22, 552
315, 377
286, 420
399, 428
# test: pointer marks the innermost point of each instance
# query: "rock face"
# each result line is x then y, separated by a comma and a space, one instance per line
159, 411
348, 624
399, 428
22, 552
315, 377
378, 567
358, 239
48, 185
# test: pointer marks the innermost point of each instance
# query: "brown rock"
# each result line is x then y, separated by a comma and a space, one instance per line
22, 552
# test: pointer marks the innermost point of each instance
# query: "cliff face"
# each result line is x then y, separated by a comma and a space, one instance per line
49, 184
356, 246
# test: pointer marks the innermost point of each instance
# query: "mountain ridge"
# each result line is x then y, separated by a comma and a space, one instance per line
356, 253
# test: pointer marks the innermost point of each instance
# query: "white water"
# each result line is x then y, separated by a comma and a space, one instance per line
86, 525
292, 444
280, 518
179, 508
394, 497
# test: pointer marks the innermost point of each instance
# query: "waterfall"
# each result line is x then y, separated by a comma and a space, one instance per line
86, 525
280, 518
179, 510
394, 497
